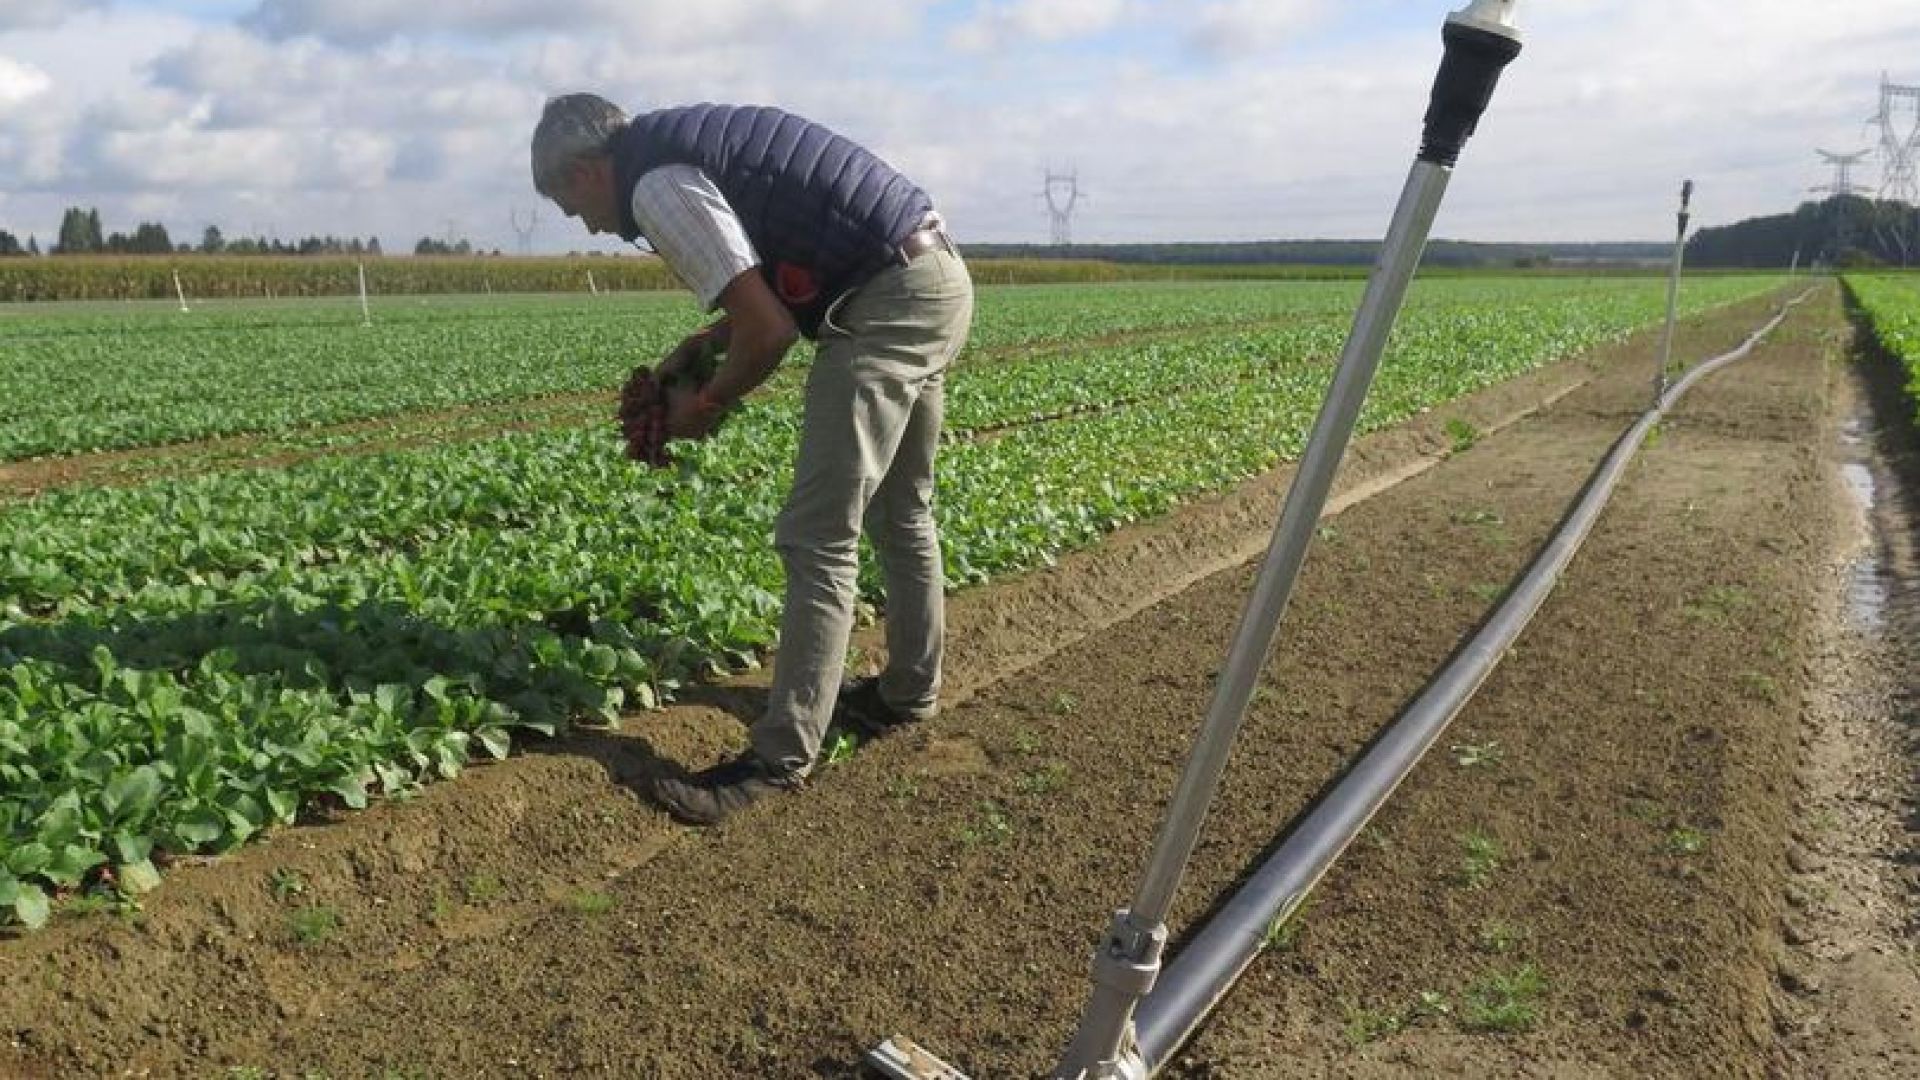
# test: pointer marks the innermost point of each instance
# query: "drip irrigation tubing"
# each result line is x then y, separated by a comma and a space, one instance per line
1220, 952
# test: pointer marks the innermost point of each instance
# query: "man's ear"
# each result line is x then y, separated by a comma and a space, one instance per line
578, 171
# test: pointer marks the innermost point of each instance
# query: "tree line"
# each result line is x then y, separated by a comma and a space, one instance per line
82, 234
1845, 231
1359, 253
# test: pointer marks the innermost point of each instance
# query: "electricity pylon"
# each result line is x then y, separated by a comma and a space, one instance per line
1898, 148
1068, 187
1842, 172
524, 230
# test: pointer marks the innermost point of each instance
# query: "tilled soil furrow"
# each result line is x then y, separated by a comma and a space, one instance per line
1632, 766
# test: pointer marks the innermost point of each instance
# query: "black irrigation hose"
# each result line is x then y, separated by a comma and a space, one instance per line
1203, 972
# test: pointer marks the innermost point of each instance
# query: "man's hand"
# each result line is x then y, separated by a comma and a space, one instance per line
653, 411
687, 416
691, 391
683, 358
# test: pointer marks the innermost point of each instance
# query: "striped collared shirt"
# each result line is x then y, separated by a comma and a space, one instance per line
689, 223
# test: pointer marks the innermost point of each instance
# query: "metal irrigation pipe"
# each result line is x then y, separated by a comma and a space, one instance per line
1210, 964
1480, 41
1673, 295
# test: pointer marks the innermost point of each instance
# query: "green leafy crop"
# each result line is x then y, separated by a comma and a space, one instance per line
187, 663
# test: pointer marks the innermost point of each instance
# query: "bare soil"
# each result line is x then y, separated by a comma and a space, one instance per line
1848, 1004
1627, 779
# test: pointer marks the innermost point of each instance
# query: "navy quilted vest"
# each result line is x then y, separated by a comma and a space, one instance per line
823, 213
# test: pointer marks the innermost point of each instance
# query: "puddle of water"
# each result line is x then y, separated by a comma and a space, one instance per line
1859, 480
1867, 587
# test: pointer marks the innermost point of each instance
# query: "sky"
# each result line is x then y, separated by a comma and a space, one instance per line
1180, 119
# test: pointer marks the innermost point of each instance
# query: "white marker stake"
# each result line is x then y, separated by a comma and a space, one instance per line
178, 291
366, 317
590, 285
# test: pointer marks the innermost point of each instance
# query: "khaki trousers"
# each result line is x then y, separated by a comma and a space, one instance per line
870, 432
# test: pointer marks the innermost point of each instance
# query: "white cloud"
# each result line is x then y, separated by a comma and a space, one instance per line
356, 117
94, 66
226, 61
399, 87
655, 23
1011, 23
96, 54
1241, 27
1610, 107
177, 157
19, 82
181, 159
360, 22
39, 14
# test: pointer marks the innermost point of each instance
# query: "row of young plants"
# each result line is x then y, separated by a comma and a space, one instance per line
1008, 317
332, 510
90, 382
80, 383
1891, 304
94, 382
111, 391
171, 535
1494, 324
1078, 387
359, 626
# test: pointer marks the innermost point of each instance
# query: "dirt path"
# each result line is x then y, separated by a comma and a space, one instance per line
1849, 999
1588, 882
1625, 779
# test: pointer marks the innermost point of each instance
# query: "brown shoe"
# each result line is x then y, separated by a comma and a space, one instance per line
712, 796
862, 710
